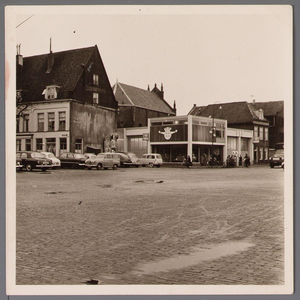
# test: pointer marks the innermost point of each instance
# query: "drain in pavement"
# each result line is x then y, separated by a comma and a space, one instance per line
54, 193
149, 181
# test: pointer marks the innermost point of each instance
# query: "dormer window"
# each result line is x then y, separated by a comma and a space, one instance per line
51, 92
95, 79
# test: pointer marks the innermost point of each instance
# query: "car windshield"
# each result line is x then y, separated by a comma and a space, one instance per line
37, 154
79, 156
51, 155
158, 156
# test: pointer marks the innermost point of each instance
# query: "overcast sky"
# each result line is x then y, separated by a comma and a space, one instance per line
201, 54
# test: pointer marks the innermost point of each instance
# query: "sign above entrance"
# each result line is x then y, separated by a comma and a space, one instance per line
167, 133
145, 136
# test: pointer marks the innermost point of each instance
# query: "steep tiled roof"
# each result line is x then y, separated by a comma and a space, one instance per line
270, 108
65, 73
133, 96
234, 112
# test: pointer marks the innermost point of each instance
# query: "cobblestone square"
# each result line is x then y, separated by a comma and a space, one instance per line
204, 226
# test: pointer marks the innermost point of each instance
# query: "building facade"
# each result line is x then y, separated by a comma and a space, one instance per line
199, 137
242, 115
64, 102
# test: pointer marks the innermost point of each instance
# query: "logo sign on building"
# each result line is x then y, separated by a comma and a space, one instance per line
145, 136
167, 133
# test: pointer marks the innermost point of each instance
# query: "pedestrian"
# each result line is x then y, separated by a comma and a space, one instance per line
247, 160
188, 161
240, 160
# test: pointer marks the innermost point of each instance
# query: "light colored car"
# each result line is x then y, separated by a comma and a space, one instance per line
151, 160
90, 155
103, 161
55, 160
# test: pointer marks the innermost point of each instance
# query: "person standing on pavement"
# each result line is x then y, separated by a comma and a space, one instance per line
240, 160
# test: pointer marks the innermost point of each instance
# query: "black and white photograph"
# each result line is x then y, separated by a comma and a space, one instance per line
150, 151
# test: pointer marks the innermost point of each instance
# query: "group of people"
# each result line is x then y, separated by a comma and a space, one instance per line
232, 160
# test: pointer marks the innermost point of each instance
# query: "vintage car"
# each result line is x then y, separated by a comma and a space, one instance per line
151, 160
19, 165
135, 162
89, 155
34, 160
55, 160
277, 159
125, 160
72, 160
103, 161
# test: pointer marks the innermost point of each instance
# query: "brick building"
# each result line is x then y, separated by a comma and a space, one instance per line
64, 102
242, 115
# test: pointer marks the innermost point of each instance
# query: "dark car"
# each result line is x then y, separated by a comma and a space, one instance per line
277, 159
135, 162
125, 160
19, 165
72, 160
33, 160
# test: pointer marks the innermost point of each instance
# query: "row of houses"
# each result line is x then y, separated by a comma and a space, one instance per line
65, 103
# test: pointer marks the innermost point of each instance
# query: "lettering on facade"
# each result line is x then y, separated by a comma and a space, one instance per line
167, 133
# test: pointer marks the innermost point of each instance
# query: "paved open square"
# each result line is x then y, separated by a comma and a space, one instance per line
206, 226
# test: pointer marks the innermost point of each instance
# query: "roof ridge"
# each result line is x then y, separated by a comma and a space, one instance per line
57, 52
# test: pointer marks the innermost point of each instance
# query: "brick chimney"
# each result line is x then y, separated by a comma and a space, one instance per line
50, 59
19, 59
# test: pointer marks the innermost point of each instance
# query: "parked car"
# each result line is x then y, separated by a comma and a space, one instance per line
89, 155
135, 162
34, 160
151, 160
103, 161
55, 160
72, 160
125, 160
277, 159
19, 165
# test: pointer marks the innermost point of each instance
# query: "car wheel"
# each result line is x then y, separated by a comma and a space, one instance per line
99, 166
28, 167
151, 165
158, 166
115, 167
272, 166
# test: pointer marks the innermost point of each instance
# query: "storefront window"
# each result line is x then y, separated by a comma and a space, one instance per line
78, 145
39, 144
51, 145
63, 145
28, 144
18, 146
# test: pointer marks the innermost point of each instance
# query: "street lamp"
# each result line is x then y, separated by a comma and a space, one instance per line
213, 128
